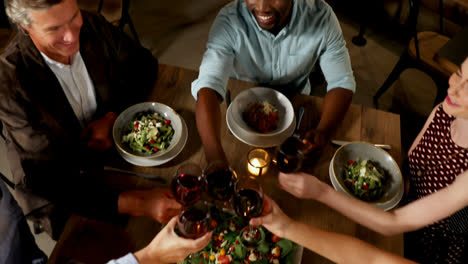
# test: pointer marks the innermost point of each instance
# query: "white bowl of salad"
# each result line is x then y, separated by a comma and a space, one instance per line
146, 132
369, 173
261, 111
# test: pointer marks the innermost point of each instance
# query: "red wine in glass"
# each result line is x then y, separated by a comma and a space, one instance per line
194, 221
289, 155
221, 184
186, 188
248, 203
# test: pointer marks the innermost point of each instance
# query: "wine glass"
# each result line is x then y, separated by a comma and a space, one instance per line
221, 182
290, 155
248, 203
195, 220
187, 184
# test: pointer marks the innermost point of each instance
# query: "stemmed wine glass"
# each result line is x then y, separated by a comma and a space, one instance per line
290, 155
188, 184
221, 182
195, 220
248, 203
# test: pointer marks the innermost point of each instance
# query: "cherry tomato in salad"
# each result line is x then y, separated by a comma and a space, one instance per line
167, 121
275, 238
351, 162
365, 187
224, 260
214, 224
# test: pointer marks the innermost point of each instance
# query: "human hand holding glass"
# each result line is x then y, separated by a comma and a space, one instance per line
248, 203
273, 218
290, 155
195, 220
168, 247
302, 185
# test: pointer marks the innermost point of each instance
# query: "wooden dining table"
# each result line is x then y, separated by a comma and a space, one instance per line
91, 241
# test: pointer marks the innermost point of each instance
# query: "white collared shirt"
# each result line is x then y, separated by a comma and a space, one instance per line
77, 86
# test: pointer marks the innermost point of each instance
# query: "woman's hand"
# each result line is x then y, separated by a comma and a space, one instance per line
273, 218
168, 247
302, 185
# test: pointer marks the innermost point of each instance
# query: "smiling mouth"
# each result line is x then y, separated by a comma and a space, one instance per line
265, 19
449, 102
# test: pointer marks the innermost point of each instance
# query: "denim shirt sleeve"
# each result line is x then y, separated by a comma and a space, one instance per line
127, 259
335, 61
217, 63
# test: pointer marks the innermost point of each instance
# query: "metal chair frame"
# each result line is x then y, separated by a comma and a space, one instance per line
406, 61
124, 18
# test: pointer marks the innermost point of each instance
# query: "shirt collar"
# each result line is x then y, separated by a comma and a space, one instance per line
60, 65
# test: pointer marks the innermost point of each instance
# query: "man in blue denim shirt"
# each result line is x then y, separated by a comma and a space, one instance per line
274, 43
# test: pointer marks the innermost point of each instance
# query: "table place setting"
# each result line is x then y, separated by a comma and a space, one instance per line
255, 155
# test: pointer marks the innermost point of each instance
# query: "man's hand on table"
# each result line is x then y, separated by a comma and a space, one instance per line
315, 141
155, 203
302, 185
98, 134
168, 247
335, 106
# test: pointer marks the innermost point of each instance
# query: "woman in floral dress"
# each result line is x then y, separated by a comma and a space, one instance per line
438, 193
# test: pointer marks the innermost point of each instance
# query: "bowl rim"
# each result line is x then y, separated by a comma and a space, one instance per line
400, 189
157, 154
273, 133
260, 142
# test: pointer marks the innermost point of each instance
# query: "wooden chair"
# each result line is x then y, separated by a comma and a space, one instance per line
420, 54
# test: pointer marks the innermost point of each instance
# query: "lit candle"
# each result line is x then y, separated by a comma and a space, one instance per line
257, 166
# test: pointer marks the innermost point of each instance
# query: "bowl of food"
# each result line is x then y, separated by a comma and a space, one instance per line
147, 133
366, 172
262, 112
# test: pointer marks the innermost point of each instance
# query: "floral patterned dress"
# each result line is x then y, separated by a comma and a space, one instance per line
434, 164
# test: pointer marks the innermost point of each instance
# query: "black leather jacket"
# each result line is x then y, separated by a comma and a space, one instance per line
42, 133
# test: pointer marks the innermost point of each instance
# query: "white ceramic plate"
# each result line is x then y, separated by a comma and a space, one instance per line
259, 94
384, 206
256, 141
168, 156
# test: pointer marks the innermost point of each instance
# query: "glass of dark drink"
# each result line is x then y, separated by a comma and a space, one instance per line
188, 184
194, 221
248, 203
290, 155
221, 182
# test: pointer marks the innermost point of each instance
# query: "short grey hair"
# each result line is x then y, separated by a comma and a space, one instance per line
18, 10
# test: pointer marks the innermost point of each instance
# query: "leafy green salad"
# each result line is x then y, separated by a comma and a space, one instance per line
364, 179
225, 246
149, 133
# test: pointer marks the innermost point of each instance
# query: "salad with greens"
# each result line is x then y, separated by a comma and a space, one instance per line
149, 133
364, 179
225, 246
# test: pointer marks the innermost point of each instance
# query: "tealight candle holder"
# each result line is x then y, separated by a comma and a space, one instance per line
258, 161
